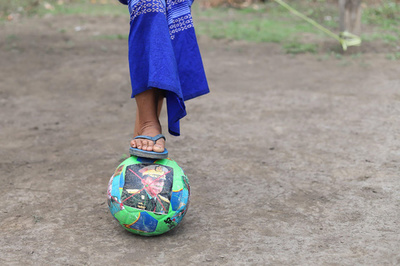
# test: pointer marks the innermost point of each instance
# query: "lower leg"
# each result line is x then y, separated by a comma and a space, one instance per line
159, 99
149, 104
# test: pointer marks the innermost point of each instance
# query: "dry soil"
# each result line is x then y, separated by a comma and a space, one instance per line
292, 160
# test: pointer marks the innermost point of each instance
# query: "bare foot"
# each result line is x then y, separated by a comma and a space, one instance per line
147, 122
149, 145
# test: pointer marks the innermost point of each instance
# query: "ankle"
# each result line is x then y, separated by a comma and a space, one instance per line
150, 128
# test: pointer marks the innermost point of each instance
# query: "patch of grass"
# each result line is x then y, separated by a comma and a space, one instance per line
10, 42
10, 8
385, 15
393, 56
114, 37
337, 56
387, 37
37, 219
272, 23
267, 23
87, 8
386, 18
300, 48
255, 30
11, 38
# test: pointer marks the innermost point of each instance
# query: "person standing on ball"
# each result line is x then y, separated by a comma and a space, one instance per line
164, 62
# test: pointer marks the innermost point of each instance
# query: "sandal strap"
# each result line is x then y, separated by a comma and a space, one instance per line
155, 138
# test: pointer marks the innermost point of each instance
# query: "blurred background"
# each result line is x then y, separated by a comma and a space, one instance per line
249, 20
293, 158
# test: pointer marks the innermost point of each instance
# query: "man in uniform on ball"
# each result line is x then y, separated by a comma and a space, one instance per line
147, 196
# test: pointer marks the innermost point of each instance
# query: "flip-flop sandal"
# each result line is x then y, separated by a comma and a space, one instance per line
149, 154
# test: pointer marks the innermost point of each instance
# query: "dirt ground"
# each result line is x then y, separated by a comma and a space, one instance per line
292, 160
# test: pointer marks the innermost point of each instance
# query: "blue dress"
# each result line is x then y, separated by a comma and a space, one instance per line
164, 54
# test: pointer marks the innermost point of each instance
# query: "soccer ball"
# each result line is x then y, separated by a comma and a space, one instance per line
148, 197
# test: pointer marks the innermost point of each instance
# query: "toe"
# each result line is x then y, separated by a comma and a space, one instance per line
145, 144
139, 143
150, 145
133, 143
159, 146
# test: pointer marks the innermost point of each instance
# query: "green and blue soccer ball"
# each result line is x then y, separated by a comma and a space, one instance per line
148, 197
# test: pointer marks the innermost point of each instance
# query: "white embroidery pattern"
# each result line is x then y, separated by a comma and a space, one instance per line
177, 13
180, 24
141, 7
